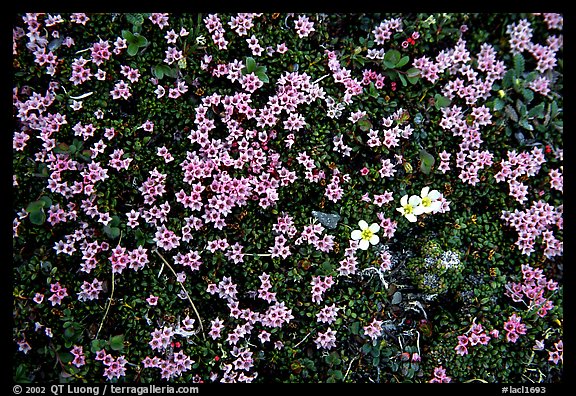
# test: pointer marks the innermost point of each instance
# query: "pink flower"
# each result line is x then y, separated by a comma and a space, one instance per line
152, 300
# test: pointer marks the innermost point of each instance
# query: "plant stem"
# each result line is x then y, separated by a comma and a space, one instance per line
108, 305
185, 292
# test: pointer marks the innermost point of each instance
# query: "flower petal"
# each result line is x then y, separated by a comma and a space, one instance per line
374, 227
356, 235
424, 191
436, 205
411, 218
404, 200
362, 224
364, 244
415, 200
418, 210
374, 239
434, 195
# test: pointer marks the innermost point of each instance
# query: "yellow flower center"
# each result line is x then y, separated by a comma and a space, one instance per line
426, 201
408, 209
367, 234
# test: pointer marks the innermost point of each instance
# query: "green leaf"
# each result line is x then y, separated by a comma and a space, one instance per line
117, 342
413, 72
402, 61
37, 217
528, 94
441, 101
511, 113
391, 58
97, 345
132, 49
498, 104
518, 64
250, 65
35, 206
140, 41
158, 72
355, 328
135, 19
262, 76
537, 111
364, 124
112, 232
128, 36
508, 79
403, 79
426, 161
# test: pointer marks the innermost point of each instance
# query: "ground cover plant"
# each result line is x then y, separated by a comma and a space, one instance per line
278, 197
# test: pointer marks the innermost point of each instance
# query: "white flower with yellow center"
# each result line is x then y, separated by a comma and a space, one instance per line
430, 200
366, 234
410, 207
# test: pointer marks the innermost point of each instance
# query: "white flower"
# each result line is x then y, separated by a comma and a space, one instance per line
366, 234
430, 200
410, 207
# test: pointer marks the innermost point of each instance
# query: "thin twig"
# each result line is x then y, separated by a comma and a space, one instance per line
349, 367
108, 306
185, 292
303, 339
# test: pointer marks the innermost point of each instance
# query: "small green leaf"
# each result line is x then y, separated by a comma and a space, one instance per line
518, 64
413, 72
426, 161
135, 19
132, 49
37, 217
262, 76
402, 61
403, 79
117, 342
140, 41
441, 101
112, 232
128, 36
391, 58
250, 65
498, 104
158, 72
35, 206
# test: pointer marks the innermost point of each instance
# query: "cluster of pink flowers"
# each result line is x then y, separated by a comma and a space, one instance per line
477, 336
532, 290
521, 40
319, 286
514, 328
304, 26
242, 22
518, 165
556, 355
369, 76
373, 329
90, 291
326, 340
58, 293
534, 222
79, 358
121, 258
383, 32
159, 19
467, 83
216, 29
440, 376
343, 76
114, 366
